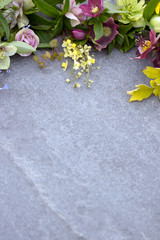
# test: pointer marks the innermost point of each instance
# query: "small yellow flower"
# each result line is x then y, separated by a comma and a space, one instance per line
74, 45
157, 9
65, 65
79, 74
75, 52
78, 85
92, 60
68, 80
68, 41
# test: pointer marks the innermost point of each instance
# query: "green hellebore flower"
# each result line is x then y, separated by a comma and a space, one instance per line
9, 49
155, 22
6, 50
133, 12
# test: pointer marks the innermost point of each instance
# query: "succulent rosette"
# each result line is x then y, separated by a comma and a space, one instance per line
109, 33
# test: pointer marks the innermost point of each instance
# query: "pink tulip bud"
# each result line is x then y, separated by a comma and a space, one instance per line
78, 34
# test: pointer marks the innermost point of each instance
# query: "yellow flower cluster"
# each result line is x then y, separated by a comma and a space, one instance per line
81, 60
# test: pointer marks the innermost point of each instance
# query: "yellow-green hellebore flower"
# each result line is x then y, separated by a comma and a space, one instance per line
15, 12
155, 22
133, 12
6, 50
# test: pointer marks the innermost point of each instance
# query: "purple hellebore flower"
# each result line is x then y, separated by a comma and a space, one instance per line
93, 9
149, 49
109, 33
78, 34
75, 14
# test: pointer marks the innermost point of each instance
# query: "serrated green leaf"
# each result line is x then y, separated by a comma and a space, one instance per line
47, 9
142, 92
58, 28
44, 36
5, 25
66, 7
44, 45
35, 19
103, 18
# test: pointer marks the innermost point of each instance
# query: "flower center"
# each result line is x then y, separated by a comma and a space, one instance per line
95, 10
146, 45
107, 31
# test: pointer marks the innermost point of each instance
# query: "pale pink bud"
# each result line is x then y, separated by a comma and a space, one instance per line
78, 34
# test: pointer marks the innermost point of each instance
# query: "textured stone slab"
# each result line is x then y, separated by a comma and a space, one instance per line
79, 164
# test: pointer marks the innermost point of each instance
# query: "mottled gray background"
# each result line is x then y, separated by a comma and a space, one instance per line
78, 164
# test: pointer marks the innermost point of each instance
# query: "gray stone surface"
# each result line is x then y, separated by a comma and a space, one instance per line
78, 164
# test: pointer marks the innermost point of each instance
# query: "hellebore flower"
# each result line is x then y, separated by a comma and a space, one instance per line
78, 34
155, 22
149, 49
133, 12
75, 14
14, 12
6, 50
93, 9
28, 36
109, 33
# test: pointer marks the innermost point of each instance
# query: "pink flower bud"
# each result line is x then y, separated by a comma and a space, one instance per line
28, 36
78, 34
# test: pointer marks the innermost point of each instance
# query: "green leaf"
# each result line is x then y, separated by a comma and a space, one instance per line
23, 47
66, 7
5, 25
103, 18
142, 92
58, 28
39, 20
92, 21
54, 2
98, 29
46, 8
44, 45
125, 28
150, 9
111, 47
80, 1
44, 36
41, 27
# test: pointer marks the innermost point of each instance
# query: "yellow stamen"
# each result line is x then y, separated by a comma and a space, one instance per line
146, 45
95, 10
